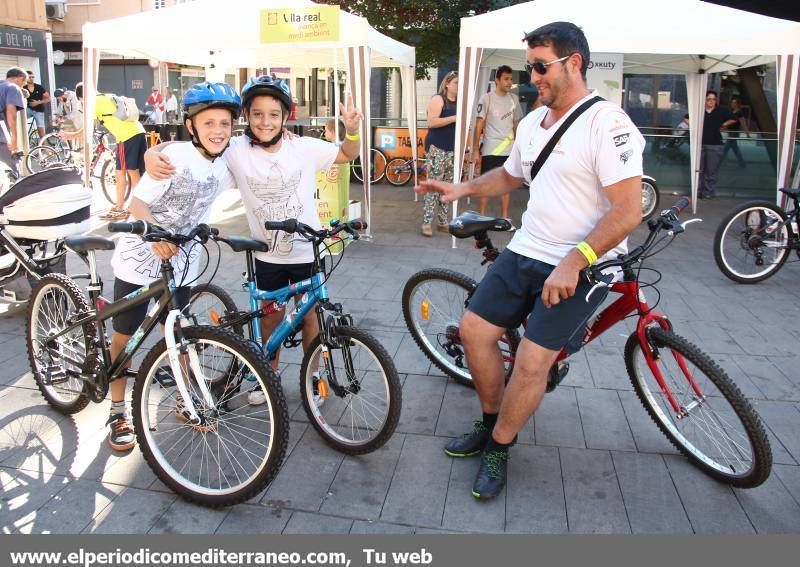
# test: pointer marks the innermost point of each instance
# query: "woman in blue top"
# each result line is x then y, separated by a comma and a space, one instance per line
440, 144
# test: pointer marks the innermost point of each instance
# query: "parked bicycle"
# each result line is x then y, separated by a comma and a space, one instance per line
399, 171
689, 396
102, 167
377, 166
357, 379
755, 239
198, 434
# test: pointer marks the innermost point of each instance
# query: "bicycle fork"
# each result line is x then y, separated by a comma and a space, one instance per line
173, 353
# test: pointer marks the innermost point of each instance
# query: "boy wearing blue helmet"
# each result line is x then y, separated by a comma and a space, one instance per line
276, 176
177, 204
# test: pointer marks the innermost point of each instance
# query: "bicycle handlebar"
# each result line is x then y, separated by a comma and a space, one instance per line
293, 226
668, 219
154, 233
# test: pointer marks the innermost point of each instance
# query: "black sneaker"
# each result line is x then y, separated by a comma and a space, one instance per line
491, 477
120, 432
470, 443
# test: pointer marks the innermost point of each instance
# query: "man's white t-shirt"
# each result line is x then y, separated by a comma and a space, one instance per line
178, 204
500, 113
279, 186
567, 199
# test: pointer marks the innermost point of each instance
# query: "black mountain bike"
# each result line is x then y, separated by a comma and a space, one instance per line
193, 422
756, 238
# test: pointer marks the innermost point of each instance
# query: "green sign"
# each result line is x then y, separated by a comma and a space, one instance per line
296, 25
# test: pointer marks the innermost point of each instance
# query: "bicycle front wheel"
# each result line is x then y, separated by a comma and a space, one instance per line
236, 449
357, 391
752, 241
41, 158
714, 426
398, 171
108, 181
434, 300
57, 362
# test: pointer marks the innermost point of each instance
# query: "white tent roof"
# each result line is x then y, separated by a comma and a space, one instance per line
652, 33
182, 33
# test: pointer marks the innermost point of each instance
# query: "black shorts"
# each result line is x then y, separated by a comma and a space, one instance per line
130, 153
511, 290
270, 277
489, 163
128, 321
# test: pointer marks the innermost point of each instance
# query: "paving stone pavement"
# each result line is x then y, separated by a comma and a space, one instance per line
589, 461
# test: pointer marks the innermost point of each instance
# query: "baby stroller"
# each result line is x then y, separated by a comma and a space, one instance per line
36, 214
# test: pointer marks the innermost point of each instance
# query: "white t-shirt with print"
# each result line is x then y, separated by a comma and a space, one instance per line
500, 113
600, 148
279, 186
178, 204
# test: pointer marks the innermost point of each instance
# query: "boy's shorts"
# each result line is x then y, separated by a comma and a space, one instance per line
511, 290
271, 277
130, 153
128, 321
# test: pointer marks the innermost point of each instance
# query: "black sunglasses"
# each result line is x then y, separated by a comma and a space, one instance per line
541, 68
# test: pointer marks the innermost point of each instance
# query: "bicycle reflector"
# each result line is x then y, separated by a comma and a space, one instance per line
322, 388
213, 314
425, 308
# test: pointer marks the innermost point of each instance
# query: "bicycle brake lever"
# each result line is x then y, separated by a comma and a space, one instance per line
594, 288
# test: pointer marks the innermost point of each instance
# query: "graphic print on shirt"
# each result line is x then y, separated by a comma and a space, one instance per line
175, 210
279, 200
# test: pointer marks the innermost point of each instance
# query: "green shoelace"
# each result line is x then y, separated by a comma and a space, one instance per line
494, 462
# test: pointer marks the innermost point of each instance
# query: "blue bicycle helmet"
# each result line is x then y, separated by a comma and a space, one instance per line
210, 95
203, 96
266, 85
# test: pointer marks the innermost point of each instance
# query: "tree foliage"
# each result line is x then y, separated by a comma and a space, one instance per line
432, 26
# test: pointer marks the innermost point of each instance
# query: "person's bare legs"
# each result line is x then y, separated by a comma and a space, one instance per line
483, 204
505, 202
484, 359
121, 437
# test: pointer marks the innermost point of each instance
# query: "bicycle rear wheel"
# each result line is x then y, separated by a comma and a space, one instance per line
434, 300
398, 171
211, 305
41, 158
650, 197
360, 391
715, 427
236, 449
56, 363
751, 243
108, 181
377, 166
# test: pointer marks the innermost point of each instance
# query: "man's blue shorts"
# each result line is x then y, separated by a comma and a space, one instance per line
511, 290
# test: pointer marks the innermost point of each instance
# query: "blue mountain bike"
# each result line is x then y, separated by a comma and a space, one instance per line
354, 377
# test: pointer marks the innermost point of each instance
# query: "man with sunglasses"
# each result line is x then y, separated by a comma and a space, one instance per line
584, 201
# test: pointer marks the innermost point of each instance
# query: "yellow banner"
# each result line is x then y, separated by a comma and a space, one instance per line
295, 25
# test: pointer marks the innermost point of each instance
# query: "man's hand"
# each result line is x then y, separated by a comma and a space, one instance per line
164, 250
476, 158
157, 165
562, 281
448, 191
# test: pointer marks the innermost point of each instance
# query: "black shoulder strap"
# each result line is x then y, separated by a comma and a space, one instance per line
548, 148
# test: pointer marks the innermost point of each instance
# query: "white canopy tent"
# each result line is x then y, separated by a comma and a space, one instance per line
657, 36
180, 34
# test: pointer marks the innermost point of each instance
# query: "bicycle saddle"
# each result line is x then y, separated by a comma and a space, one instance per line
791, 191
83, 244
470, 223
239, 244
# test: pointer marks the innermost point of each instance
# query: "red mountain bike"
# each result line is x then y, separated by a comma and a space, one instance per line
691, 399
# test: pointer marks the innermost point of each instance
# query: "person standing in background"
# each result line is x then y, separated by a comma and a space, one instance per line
172, 107
733, 135
38, 99
714, 119
439, 146
156, 102
498, 115
11, 101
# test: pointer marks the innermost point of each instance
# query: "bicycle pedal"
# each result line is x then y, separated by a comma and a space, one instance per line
164, 378
55, 375
557, 373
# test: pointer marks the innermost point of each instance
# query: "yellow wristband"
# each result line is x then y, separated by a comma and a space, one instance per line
353, 137
587, 251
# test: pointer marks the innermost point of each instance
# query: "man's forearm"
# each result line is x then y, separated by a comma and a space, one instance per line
612, 228
494, 183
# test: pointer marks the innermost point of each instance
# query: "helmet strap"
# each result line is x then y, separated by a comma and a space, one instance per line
254, 141
199, 145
